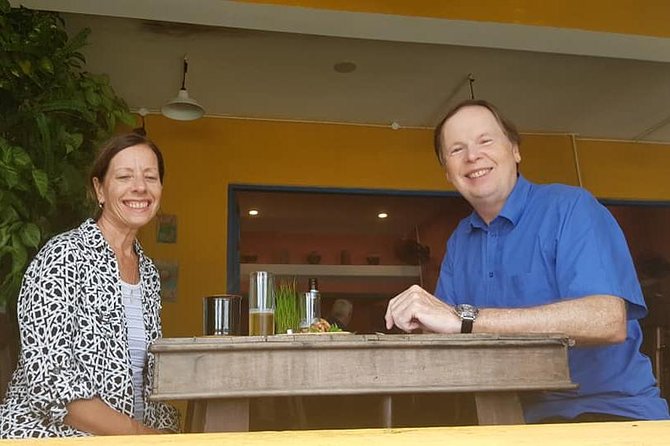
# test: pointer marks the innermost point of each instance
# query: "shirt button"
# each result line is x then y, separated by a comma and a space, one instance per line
491, 274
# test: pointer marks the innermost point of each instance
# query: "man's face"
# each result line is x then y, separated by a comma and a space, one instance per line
480, 160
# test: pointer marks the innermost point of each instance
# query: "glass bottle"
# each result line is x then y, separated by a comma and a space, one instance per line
310, 306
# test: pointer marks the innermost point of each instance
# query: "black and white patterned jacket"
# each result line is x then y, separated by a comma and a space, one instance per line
74, 340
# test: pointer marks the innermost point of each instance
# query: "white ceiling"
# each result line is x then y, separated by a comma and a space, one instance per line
274, 62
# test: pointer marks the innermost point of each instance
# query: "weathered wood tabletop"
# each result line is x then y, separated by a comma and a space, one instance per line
220, 374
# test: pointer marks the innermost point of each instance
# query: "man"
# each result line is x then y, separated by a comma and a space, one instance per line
536, 259
340, 313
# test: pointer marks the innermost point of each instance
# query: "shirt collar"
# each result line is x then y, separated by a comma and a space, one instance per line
513, 208
94, 238
92, 234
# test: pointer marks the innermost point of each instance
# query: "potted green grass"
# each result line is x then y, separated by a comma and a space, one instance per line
287, 314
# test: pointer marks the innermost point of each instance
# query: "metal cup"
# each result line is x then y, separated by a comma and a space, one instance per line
222, 315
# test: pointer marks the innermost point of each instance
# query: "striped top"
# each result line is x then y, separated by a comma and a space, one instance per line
137, 344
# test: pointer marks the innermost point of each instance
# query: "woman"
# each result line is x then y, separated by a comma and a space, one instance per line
89, 308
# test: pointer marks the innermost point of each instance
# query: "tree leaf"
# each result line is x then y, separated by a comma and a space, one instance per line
41, 181
10, 175
93, 98
46, 65
76, 43
19, 255
21, 157
63, 105
26, 67
8, 215
51, 197
45, 134
4, 237
5, 148
30, 235
127, 118
17, 208
76, 139
111, 121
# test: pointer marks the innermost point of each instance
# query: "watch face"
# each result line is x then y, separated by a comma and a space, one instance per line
466, 311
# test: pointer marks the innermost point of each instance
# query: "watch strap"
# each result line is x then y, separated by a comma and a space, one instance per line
466, 325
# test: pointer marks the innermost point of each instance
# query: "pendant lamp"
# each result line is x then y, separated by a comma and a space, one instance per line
183, 108
142, 130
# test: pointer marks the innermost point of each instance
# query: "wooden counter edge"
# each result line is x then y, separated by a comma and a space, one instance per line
584, 434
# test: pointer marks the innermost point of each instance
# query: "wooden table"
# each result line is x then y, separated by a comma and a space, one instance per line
220, 374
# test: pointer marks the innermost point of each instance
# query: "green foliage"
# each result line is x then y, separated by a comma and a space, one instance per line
287, 314
53, 114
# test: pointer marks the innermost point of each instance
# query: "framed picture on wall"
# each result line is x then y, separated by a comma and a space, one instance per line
166, 228
169, 272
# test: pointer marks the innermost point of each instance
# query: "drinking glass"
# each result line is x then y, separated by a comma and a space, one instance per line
261, 303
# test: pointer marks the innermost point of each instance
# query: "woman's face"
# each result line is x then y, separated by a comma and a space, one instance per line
131, 191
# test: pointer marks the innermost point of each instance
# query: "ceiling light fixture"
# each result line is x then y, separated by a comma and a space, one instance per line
253, 212
143, 111
382, 215
183, 108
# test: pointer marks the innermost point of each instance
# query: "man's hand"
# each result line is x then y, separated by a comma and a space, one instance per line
415, 308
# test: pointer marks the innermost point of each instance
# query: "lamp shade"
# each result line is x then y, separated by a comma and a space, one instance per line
182, 108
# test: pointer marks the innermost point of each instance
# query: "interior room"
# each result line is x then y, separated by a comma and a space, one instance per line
361, 246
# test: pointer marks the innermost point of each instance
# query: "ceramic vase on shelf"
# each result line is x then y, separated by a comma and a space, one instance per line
313, 258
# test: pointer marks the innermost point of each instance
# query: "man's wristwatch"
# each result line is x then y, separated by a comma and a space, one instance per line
468, 314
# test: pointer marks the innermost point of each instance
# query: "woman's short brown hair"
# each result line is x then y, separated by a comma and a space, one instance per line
116, 144
507, 126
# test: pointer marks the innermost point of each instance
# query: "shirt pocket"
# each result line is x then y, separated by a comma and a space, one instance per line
530, 289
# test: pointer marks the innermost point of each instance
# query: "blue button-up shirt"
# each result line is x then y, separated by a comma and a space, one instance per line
552, 243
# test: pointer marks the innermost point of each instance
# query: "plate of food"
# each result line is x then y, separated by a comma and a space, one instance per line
322, 326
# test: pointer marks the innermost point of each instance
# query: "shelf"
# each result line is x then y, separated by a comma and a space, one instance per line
333, 270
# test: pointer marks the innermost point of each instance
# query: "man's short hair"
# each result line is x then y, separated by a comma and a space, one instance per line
342, 309
506, 125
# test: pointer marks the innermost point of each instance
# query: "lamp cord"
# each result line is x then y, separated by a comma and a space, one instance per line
471, 80
183, 77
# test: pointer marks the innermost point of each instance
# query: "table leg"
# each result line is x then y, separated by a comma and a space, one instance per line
387, 411
298, 408
218, 415
499, 408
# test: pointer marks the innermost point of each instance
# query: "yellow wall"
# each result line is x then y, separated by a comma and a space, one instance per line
643, 17
548, 159
625, 170
203, 157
